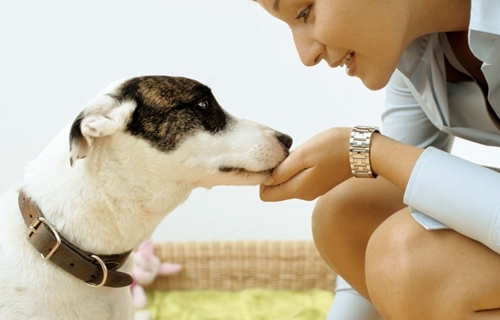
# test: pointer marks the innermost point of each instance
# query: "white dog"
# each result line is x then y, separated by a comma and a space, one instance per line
103, 185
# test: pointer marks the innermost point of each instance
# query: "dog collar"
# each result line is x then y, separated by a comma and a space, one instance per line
94, 270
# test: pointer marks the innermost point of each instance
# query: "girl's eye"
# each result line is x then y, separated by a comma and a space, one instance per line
304, 14
204, 104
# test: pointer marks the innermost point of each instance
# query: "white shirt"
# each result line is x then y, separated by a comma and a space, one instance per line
422, 109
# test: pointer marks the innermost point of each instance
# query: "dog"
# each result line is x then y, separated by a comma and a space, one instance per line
102, 186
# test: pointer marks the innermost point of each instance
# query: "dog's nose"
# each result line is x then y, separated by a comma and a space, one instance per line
285, 139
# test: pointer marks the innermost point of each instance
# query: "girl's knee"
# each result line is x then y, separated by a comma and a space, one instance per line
400, 280
344, 219
332, 218
390, 266
335, 209
326, 218
327, 211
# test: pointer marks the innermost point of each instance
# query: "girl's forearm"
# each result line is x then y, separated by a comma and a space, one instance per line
392, 159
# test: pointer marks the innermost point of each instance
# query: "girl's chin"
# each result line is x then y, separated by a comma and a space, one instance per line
374, 81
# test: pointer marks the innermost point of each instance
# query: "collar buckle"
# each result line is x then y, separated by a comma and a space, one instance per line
33, 229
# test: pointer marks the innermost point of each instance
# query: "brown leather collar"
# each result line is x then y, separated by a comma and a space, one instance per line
95, 270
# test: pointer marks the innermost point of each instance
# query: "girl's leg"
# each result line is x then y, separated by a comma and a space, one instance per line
344, 220
413, 273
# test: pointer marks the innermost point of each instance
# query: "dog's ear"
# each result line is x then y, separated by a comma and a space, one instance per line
102, 118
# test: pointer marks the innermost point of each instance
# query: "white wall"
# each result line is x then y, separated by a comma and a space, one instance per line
56, 54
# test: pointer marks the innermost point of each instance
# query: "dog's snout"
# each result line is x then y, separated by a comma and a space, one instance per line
285, 139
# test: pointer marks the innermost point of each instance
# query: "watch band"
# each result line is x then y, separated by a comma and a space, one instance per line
359, 151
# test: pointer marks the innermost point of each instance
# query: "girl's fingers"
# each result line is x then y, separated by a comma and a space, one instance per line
292, 165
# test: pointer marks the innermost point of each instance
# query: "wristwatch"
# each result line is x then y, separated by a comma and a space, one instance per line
359, 151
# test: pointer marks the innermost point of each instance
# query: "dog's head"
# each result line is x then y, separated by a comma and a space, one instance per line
174, 125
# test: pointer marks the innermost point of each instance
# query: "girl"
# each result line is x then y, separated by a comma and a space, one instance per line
413, 229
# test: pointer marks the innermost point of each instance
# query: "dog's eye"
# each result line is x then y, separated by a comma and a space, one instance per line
204, 104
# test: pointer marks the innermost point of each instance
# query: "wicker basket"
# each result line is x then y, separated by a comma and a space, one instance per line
239, 265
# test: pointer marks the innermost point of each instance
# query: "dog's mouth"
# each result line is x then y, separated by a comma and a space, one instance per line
237, 170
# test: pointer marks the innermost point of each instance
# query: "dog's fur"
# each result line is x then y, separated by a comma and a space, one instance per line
135, 152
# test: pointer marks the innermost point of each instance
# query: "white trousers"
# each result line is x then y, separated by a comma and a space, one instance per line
348, 304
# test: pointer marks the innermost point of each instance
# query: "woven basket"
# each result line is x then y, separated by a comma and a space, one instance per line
239, 265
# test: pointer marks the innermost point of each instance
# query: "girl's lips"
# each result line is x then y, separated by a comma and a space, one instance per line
347, 59
351, 66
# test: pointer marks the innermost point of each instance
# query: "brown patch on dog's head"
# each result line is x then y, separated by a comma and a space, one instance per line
162, 110
170, 109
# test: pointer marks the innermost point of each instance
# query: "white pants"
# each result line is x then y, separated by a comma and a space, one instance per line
348, 304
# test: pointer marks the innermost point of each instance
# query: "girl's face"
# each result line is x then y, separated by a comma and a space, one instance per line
367, 36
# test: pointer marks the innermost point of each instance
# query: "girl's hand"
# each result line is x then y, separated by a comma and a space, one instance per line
311, 170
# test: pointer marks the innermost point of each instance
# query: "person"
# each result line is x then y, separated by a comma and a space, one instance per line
419, 238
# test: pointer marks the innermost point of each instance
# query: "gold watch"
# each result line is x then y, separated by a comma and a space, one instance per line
359, 151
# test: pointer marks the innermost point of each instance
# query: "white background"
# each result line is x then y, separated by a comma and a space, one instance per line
56, 54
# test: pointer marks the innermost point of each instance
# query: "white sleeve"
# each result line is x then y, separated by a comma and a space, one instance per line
459, 193
405, 121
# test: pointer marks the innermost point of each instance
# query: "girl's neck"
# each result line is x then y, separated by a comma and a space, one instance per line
431, 16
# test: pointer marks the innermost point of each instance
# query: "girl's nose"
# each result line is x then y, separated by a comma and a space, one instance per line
310, 51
